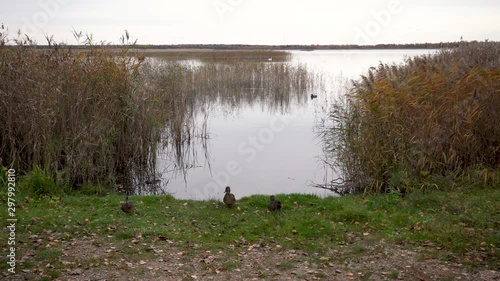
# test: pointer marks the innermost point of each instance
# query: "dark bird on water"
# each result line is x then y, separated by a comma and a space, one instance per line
313, 96
274, 204
229, 199
127, 206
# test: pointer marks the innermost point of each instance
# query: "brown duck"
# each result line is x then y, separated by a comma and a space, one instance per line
127, 206
274, 204
229, 199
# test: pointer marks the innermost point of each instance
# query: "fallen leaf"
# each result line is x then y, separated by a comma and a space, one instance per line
208, 259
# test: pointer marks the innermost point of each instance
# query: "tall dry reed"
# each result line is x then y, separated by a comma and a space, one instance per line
210, 55
82, 116
435, 115
97, 115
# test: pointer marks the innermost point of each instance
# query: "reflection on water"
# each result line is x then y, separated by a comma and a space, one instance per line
254, 127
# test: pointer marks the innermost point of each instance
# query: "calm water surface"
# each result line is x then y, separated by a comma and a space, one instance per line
259, 149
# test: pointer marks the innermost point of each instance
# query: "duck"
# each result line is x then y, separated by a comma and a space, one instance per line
313, 96
229, 199
274, 204
127, 206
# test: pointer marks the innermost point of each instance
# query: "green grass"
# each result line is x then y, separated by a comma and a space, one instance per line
459, 225
393, 274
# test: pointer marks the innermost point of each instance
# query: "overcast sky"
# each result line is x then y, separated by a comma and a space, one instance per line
256, 21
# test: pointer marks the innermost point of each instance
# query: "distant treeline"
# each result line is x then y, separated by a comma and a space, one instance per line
302, 47
289, 47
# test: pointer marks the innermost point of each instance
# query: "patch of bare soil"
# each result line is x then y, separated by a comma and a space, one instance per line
93, 260
398, 263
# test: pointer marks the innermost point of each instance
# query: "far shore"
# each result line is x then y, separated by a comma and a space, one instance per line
219, 47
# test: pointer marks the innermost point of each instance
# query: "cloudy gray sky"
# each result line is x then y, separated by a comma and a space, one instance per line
256, 21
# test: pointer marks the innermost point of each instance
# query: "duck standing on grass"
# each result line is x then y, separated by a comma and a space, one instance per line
128, 207
229, 199
274, 204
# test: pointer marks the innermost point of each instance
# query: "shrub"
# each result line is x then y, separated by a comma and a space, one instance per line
38, 183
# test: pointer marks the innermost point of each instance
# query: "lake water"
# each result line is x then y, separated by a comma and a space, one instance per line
261, 149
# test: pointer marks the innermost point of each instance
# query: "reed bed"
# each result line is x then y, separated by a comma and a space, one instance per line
436, 115
83, 117
99, 116
210, 55
197, 89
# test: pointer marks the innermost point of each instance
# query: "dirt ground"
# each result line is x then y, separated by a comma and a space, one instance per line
88, 260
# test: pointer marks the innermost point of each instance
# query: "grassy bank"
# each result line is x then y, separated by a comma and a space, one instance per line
455, 228
433, 115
